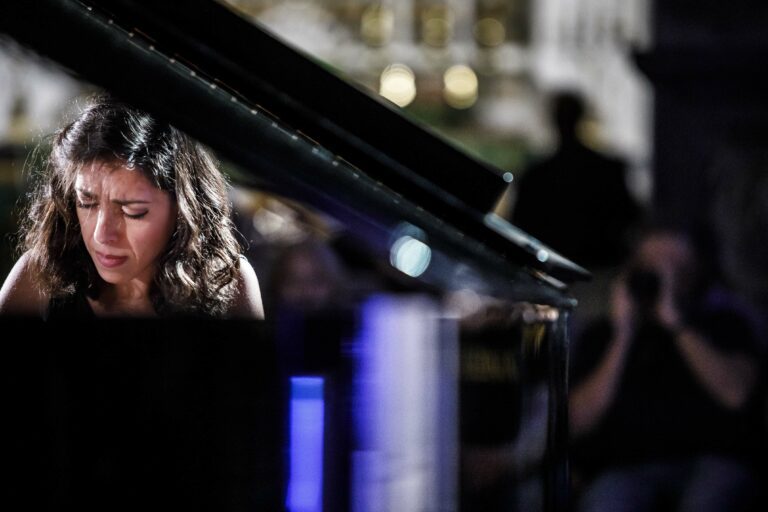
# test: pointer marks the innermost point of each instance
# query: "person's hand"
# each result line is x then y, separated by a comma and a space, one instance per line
622, 309
667, 310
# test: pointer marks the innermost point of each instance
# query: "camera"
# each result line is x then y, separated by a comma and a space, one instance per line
644, 286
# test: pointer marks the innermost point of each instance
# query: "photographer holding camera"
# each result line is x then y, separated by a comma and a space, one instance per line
660, 409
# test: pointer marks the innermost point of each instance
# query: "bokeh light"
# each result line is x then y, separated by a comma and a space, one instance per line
460, 86
398, 84
410, 256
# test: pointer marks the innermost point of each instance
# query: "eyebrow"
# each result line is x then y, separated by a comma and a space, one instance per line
129, 201
121, 202
85, 193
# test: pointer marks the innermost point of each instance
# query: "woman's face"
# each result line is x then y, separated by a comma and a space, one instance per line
126, 221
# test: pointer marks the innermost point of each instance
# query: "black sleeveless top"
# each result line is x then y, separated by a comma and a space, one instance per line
70, 306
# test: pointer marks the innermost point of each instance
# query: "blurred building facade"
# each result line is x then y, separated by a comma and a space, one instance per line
480, 72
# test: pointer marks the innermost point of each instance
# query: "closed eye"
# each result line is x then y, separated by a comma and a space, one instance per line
89, 206
135, 215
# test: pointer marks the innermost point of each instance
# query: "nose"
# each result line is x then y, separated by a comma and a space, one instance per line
108, 226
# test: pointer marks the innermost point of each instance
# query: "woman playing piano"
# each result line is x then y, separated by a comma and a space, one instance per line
128, 217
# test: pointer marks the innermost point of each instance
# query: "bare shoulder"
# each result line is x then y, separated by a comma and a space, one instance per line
248, 301
20, 295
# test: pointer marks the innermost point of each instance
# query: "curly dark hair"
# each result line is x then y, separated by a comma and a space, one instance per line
198, 271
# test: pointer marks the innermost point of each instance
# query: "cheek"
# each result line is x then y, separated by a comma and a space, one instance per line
149, 241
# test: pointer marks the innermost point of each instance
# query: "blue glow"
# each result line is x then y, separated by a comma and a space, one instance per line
305, 483
365, 462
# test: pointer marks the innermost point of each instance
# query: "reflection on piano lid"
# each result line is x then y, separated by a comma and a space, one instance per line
294, 128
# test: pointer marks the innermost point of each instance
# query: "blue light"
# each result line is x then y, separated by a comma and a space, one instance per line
305, 483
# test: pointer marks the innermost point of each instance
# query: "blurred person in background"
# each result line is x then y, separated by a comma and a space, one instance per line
576, 201
664, 401
307, 275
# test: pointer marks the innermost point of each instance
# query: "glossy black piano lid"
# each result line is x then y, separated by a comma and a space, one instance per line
370, 134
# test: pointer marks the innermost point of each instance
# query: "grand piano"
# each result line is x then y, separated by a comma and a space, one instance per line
411, 405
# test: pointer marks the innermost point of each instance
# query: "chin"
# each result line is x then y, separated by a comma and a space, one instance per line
112, 277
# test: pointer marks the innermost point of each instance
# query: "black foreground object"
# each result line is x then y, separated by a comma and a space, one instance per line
141, 414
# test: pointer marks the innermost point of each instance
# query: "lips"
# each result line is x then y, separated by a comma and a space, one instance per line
109, 260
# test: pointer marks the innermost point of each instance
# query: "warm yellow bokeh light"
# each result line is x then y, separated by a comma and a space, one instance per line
490, 32
460, 86
398, 84
437, 25
377, 24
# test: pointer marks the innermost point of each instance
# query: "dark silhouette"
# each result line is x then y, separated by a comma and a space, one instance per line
576, 200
